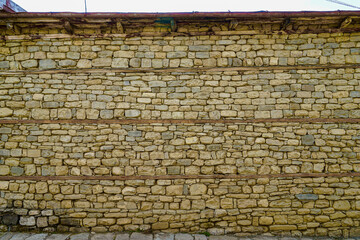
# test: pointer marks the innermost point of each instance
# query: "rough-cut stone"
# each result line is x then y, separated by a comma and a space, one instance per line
10, 219
163, 236
120, 63
140, 236
198, 189
19, 236
27, 221
6, 112
47, 64
80, 236
58, 236
4, 170
308, 140
103, 236
307, 196
122, 236
341, 205
266, 220
40, 113
132, 113
183, 236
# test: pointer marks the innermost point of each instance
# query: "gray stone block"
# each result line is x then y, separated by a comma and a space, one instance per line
183, 236
122, 236
307, 196
141, 236
47, 64
308, 140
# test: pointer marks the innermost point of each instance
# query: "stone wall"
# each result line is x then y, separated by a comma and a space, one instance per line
243, 134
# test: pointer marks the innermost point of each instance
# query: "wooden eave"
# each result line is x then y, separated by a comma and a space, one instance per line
105, 20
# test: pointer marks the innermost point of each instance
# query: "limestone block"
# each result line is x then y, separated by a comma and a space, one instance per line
47, 64
198, 189
246, 203
129, 191
5, 112
120, 63
4, 170
41, 187
92, 113
160, 225
266, 220
27, 221
342, 205
29, 63
67, 63
40, 113
64, 113
101, 62
174, 190
192, 140
132, 113
84, 63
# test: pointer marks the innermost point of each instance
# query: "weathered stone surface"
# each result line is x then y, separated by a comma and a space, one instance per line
18, 236
307, 196
308, 140
103, 236
29, 63
122, 236
341, 205
140, 236
4, 170
40, 113
27, 221
58, 236
6, 112
47, 64
183, 236
163, 236
198, 189
10, 219
132, 113
41, 236
120, 63
266, 220
80, 236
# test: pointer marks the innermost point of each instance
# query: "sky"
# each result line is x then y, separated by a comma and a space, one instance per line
182, 6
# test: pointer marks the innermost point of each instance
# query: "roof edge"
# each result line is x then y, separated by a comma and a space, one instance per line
194, 15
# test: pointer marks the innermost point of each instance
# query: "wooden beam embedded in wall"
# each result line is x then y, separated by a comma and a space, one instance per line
68, 27
14, 28
119, 27
233, 24
347, 21
173, 177
179, 121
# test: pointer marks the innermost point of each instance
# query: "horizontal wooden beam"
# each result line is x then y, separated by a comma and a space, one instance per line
185, 15
173, 177
175, 34
184, 70
179, 121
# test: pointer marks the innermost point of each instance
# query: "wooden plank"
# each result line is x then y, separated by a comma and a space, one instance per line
169, 70
174, 34
173, 177
179, 121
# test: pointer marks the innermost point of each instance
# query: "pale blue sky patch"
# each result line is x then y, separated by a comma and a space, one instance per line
182, 6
